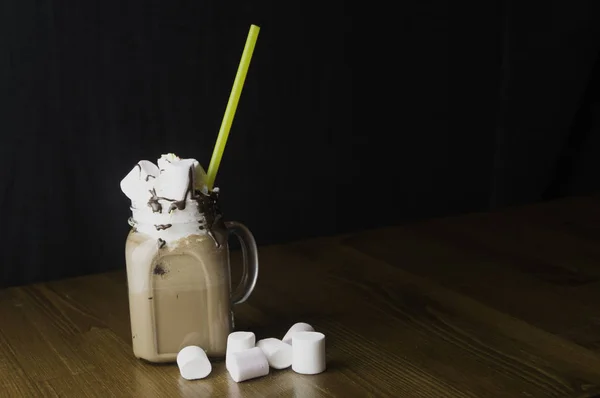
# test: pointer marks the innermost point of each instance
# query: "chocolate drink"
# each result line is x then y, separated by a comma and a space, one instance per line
189, 277
177, 259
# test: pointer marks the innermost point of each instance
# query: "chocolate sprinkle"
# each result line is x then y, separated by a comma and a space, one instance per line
162, 226
161, 243
159, 270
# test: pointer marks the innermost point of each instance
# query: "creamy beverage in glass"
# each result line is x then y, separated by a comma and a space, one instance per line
177, 259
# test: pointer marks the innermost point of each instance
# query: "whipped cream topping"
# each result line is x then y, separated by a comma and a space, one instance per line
170, 199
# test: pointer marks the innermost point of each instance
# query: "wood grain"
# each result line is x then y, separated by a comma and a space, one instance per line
483, 305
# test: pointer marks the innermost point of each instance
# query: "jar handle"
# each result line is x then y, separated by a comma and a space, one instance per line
249, 261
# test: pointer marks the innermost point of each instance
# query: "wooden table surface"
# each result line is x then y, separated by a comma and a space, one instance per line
483, 305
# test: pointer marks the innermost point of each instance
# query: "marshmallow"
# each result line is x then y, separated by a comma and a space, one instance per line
131, 186
166, 159
298, 327
278, 353
308, 352
248, 364
137, 184
165, 207
170, 179
193, 363
148, 171
174, 180
239, 341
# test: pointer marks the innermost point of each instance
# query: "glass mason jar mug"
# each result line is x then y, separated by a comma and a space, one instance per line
178, 276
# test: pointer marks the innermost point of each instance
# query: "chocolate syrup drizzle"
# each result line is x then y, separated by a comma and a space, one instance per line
180, 204
139, 166
208, 206
154, 201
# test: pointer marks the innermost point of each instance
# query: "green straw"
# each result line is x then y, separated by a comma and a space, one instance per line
234, 98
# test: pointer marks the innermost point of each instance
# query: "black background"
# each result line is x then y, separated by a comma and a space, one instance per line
451, 113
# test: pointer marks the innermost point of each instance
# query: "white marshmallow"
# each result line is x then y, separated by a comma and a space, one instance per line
174, 179
193, 363
298, 327
172, 183
239, 341
137, 184
166, 159
248, 364
148, 171
308, 352
278, 353
130, 185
